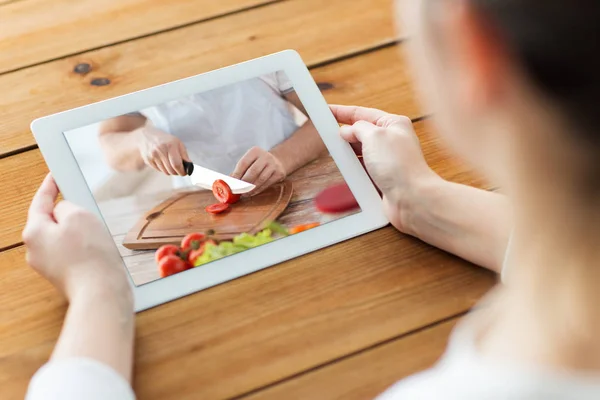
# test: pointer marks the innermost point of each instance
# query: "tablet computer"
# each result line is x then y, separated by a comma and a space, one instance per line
302, 187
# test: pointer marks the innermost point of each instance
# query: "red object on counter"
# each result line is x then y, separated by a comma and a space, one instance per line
336, 199
217, 208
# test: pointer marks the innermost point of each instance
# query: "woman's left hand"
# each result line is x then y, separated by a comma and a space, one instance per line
260, 168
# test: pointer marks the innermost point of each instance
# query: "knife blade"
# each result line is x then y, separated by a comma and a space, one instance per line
204, 178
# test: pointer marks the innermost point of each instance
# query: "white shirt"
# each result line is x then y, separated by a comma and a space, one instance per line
218, 127
461, 374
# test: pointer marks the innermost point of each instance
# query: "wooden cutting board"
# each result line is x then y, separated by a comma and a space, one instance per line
184, 213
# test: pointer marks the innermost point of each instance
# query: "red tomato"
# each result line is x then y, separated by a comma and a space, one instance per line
336, 199
223, 192
303, 227
166, 250
170, 265
193, 240
217, 208
194, 254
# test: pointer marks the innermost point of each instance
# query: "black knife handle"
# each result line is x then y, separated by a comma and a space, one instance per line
188, 167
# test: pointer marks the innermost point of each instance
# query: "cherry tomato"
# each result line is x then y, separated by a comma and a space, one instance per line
166, 250
217, 208
170, 265
194, 254
223, 192
193, 241
303, 227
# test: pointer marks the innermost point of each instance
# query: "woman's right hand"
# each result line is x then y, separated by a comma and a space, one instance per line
162, 151
392, 155
71, 248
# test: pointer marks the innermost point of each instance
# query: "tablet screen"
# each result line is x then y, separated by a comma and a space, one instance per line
166, 219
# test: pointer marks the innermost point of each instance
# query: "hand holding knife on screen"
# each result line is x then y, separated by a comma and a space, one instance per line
162, 151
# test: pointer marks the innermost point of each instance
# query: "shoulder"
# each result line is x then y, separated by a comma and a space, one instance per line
279, 82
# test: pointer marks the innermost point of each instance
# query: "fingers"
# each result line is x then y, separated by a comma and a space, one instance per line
356, 133
183, 152
165, 160
176, 162
246, 161
40, 215
349, 115
264, 181
64, 210
158, 165
42, 204
251, 175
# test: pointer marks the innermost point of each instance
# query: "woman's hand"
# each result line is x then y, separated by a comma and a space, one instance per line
71, 248
391, 152
260, 168
162, 151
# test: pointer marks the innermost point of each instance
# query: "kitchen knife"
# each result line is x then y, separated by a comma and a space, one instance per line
204, 178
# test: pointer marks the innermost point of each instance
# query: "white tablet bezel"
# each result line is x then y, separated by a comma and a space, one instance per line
49, 134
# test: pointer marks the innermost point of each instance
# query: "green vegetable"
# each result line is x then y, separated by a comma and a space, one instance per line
240, 243
278, 228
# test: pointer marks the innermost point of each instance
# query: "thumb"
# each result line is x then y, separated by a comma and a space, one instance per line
358, 132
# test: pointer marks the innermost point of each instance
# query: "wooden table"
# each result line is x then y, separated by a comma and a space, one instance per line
121, 214
344, 322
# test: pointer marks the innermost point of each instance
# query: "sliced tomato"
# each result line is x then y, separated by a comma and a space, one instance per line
217, 208
336, 199
302, 227
223, 192
166, 250
170, 265
194, 254
193, 241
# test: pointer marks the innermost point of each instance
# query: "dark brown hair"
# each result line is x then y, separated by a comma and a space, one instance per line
557, 43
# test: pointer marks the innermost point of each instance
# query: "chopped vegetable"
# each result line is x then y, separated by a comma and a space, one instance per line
194, 254
166, 250
303, 227
217, 208
223, 192
240, 243
193, 241
277, 228
170, 265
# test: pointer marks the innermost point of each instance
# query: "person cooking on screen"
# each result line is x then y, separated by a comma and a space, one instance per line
514, 88
247, 130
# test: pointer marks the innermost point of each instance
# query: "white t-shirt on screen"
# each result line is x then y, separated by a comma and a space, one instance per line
218, 127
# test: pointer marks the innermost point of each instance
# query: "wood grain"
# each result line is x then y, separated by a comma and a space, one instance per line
258, 329
29, 37
54, 86
183, 213
24, 181
368, 373
349, 87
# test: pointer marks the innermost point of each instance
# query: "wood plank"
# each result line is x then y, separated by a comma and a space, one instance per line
383, 85
139, 64
30, 36
367, 374
24, 172
259, 329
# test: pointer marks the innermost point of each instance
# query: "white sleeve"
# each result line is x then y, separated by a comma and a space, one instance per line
76, 379
279, 82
